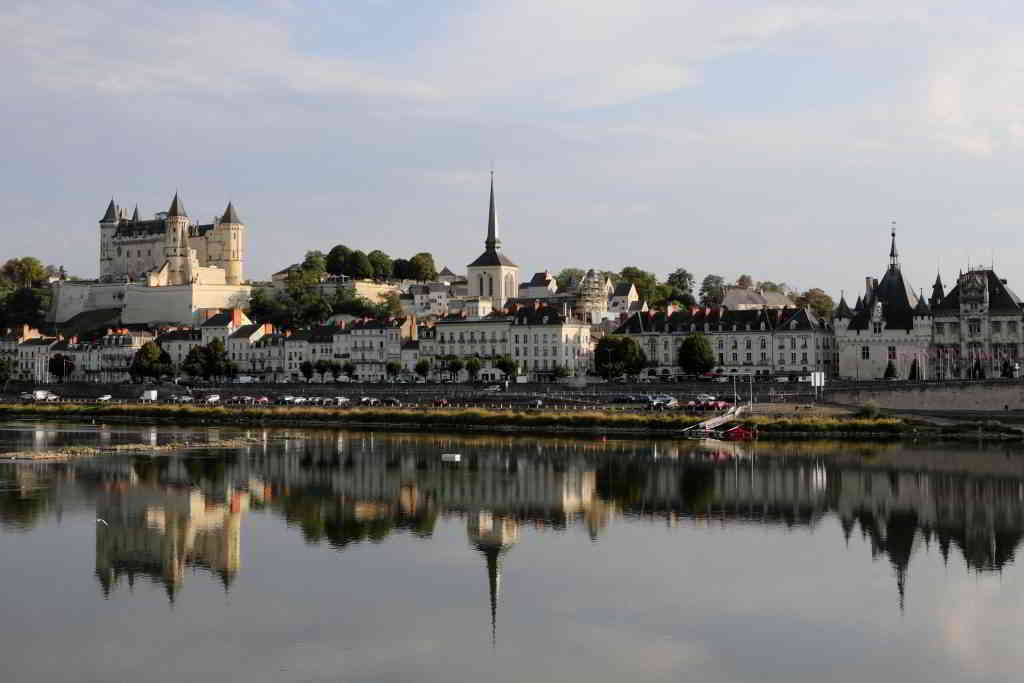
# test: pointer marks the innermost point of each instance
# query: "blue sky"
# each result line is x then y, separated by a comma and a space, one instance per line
776, 139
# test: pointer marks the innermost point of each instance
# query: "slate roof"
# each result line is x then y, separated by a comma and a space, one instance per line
539, 315
748, 296
222, 319
622, 289
1001, 299
230, 215
177, 208
898, 303
245, 331
88, 321
111, 213
843, 310
721, 320
491, 257
540, 280
180, 335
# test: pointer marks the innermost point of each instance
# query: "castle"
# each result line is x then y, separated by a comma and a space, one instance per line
167, 269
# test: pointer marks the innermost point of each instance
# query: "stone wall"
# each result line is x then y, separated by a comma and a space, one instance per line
983, 396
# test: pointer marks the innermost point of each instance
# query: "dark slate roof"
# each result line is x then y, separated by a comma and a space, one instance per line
411, 345
179, 335
245, 331
39, 341
222, 319
540, 280
111, 213
843, 310
137, 228
491, 257
859, 305
230, 215
622, 289
322, 334
177, 207
446, 273
898, 303
87, 321
539, 315
1001, 298
721, 320
922, 307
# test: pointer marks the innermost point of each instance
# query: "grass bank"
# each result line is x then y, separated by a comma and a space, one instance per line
468, 419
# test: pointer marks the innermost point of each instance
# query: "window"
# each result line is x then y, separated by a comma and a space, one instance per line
748, 357
734, 358
974, 327
997, 327
792, 358
748, 344
865, 353
939, 328
764, 356
721, 358
877, 328
892, 353
764, 343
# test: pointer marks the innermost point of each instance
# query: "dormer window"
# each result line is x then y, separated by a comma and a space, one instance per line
877, 328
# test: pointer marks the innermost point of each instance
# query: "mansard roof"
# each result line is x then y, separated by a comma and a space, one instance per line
538, 315
180, 335
721, 320
246, 331
1001, 299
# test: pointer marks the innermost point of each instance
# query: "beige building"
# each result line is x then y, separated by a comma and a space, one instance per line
492, 274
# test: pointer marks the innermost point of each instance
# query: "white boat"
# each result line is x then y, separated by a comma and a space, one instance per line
451, 457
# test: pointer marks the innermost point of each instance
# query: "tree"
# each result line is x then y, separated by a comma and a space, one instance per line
423, 367
336, 260
890, 370
695, 355
349, 368
358, 265
26, 306
712, 290
346, 302
455, 367
745, 281
390, 306
506, 365
315, 262
818, 301
644, 281
615, 355
24, 272
681, 280
559, 371
266, 307
6, 369
392, 368
61, 366
473, 368
147, 361
322, 367
401, 269
915, 372
381, 264
769, 286
335, 370
569, 275
194, 364
217, 362
306, 368
422, 268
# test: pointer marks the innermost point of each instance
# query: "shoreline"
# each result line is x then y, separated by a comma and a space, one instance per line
589, 423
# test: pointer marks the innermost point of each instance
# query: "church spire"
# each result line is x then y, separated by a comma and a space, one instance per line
492, 243
894, 262
494, 586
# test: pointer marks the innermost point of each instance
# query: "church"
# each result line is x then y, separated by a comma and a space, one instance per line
167, 269
492, 275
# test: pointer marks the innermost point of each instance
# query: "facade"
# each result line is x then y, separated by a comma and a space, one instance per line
890, 324
749, 342
977, 328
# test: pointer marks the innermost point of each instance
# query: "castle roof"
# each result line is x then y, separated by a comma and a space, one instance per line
896, 296
843, 310
1001, 299
111, 214
177, 208
230, 215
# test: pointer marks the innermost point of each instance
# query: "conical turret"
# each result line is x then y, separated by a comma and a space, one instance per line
230, 216
111, 214
177, 208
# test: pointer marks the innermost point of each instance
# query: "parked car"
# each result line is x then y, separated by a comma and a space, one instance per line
211, 399
492, 388
391, 401
341, 400
104, 398
441, 403
703, 398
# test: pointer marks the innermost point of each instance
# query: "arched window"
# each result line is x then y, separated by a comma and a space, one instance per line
490, 286
481, 291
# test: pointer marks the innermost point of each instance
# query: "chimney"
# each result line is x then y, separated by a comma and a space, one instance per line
236, 317
268, 328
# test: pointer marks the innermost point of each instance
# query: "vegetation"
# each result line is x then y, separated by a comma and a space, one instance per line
151, 361
506, 365
209, 361
60, 366
869, 410
616, 355
712, 290
695, 354
422, 367
818, 301
473, 368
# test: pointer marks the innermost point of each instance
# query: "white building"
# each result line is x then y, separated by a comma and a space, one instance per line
492, 274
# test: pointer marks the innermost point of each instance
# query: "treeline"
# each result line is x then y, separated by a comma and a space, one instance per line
24, 292
377, 265
680, 287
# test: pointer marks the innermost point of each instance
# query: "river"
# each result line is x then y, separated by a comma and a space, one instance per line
320, 555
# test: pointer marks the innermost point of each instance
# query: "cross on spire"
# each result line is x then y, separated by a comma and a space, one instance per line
894, 262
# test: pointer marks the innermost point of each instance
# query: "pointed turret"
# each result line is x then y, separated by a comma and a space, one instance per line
843, 309
938, 292
177, 208
859, 306
922, 307
135, 214
111, 214
230, 216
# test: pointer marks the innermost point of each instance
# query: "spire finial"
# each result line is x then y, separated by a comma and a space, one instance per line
893, 256
492, 242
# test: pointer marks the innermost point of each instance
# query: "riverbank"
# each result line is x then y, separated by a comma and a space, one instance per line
508, 421
69, 452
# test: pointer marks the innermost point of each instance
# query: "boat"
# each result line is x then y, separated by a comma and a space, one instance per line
451, 457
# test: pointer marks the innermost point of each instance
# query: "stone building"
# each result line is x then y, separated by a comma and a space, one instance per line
890, 324
492, 274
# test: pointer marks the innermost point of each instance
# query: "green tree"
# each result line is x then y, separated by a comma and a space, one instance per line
615, 355
216, 361
695, 354
381, 264
23, 273
712, 290
401, 269
61, 366
745, 281
306, 368
455, 366
890, 370
266, 307
358, 265
390, 306
194, 364
147, 361
26, 306
422, 267
644, 281
346, 302
392, 368
315, 262
335, 370
769, 286
569, 275
322, 366
336, 260
680, 279
506, 365
473, 368
423, 367
818, 301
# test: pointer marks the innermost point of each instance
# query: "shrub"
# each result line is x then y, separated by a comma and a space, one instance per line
870, 409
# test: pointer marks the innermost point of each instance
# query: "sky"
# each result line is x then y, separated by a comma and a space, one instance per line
778, 139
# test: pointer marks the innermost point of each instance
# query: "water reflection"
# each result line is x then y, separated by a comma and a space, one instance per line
162, 516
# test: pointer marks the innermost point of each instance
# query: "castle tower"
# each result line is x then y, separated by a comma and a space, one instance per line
108, 228
176, 245
232, 234
492, 275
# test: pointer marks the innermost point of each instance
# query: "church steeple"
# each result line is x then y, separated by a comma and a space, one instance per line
492, 242
894, 262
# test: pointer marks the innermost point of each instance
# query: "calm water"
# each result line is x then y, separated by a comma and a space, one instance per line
345, 556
